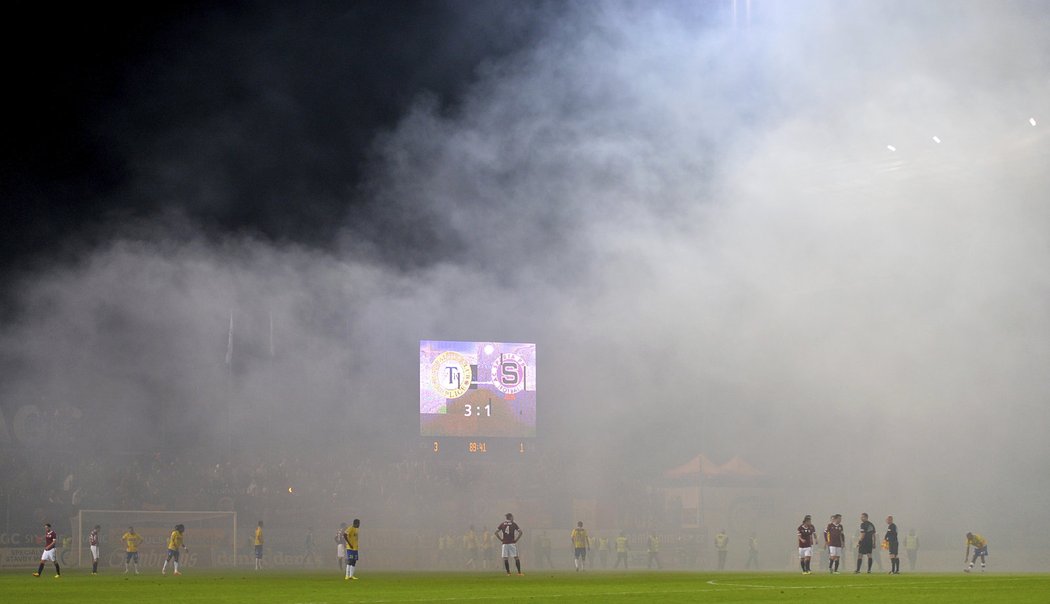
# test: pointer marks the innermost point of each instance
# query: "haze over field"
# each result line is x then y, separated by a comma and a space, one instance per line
700, 222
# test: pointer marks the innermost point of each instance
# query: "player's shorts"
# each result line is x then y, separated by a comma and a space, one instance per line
864, 548
351, 557
258, 551
173, 554
834, 551
581, 552
340, 550
980, 551
894, 547
129, 556
48, 555
510, 550
805, 552
94, 552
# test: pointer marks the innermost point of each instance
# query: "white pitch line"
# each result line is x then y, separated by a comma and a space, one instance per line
837, 586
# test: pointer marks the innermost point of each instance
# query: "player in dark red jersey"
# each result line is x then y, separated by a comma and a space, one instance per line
835, 539
508, 533
806, 538
93, 542
50, 551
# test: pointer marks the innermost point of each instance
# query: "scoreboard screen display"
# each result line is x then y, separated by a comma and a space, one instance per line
470, 389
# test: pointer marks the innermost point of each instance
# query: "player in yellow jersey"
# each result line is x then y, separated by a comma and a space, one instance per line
175, 543
487, 547
622, 547
350, 536
654, 552
258, 545
131, 541
470, 547
722, 547
980, 550
580, 544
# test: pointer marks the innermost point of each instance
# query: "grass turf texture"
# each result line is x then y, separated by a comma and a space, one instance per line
78, 587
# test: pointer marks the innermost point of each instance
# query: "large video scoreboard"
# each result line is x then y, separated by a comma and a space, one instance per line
477, 394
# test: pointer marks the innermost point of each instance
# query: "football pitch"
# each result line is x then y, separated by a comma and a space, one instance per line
76, 586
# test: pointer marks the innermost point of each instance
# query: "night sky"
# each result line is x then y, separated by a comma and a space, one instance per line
249, 118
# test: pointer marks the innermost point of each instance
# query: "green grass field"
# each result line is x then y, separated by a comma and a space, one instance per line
76, 586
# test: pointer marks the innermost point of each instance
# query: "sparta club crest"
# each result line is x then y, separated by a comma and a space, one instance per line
508, 374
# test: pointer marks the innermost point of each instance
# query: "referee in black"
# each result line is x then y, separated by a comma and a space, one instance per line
866, 542
894, 546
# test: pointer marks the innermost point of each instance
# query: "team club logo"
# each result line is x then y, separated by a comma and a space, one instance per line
508, 374
450, 374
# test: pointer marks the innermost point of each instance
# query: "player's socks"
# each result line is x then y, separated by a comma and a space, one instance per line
94, 566
41, 570
869, 564
859, 562
176, 564
517, 564
58, 571
802, 564
506, 565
